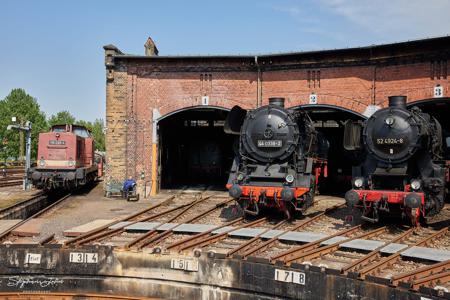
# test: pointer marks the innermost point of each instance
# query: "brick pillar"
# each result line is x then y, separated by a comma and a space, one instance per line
116, 117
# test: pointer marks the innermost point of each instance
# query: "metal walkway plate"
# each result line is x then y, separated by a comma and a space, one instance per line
194, 228
367, 245
119, 225
142, 226
427, 253
301, 236
333, 240
167, 226
247, 232
222, 230
393, 248
271, 233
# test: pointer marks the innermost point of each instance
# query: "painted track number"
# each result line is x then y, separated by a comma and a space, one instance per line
81, 258
290, 276
184, 264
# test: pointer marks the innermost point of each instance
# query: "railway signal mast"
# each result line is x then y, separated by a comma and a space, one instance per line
27, 129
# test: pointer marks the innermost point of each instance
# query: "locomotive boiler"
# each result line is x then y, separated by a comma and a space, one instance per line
403, 171
66, 159
279, 158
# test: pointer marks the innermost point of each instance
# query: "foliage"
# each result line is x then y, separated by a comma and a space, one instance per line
61, 118
25, 108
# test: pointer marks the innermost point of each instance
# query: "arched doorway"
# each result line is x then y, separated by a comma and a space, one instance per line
329, 121
193, 148
440, 109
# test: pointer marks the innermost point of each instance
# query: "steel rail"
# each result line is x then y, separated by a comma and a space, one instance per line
393, 257
247, 244
167, 233
423, 272
320, 251
288, 254
142, 239
6, 233
269, 242
112, 232
217, 237
199, 236
12, 207
430, 280
375, 254
97, 231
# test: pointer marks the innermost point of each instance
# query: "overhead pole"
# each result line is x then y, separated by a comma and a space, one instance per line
27, 130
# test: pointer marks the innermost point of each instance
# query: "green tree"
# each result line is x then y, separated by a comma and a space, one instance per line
97, 127
61, 118
25, 108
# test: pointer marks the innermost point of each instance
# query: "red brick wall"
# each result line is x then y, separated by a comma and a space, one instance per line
170, 85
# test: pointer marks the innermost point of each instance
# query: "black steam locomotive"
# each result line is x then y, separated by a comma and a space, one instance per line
403, 170
279, 158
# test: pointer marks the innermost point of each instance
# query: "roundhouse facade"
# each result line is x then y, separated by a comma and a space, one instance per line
164, 113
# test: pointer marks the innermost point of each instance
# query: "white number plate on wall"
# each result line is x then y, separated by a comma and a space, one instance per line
81, 258
290, 276
184, 264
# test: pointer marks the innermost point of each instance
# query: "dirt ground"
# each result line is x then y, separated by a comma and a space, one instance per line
88, 206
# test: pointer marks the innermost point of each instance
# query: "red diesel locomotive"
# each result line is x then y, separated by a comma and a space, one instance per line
66, 159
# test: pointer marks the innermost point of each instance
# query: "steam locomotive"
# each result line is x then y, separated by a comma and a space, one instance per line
279, 158
66, 159
403, 171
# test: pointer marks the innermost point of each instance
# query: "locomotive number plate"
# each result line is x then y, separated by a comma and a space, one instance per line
55, 142
269, 143
389, 141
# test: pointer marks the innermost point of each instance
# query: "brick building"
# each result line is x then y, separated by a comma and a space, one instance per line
164, 114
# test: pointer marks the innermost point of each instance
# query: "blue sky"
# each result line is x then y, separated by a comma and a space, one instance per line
53, 49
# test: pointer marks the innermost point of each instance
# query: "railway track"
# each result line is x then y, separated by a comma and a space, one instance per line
12, 211
8, 237
180, 208
11, 176
211, 222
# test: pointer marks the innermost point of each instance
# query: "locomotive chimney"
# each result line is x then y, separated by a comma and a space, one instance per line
278, 101
397, 101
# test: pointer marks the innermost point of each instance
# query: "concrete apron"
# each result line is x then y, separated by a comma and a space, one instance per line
103, 270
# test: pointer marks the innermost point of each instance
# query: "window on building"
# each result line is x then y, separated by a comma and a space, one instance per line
313, 78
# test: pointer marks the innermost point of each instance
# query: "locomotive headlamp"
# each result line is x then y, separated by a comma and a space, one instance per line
389, 121
289, 178
358, 182
71, 163
240, 176
415, 184
41, 162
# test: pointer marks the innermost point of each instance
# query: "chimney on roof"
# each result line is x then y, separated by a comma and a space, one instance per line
150, 48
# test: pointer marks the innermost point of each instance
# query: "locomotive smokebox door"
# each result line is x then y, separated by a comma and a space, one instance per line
234, 120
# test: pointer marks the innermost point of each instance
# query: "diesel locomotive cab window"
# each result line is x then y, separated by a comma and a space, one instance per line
81, 132
59, 129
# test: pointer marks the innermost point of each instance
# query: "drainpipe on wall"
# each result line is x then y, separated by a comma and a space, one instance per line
259, 84
374, 80
154, 187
